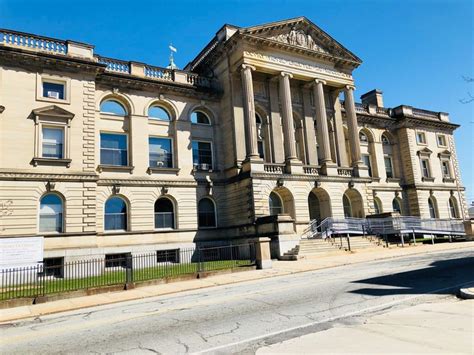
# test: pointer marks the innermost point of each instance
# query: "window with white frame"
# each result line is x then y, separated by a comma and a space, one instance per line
53, 142
425, 168
202, 155
113, 149
54, 90
363, 138
446, 169
420, 138
366, 161
441, 138
199, 117
115, 214
51, 213
275, 204
388, 166
113, 107
158, 113
161, 152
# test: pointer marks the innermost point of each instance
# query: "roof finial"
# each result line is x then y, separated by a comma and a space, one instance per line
172, 65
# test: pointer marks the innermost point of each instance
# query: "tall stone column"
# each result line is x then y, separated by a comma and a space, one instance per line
287, 117
342, 158
322, 123
249, 112
359, 168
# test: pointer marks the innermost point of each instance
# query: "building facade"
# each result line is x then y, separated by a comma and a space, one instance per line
104, 156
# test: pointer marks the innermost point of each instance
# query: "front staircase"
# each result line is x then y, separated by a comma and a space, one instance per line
318, 247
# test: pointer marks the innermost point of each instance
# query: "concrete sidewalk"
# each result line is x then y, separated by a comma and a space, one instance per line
429, 328
280, 268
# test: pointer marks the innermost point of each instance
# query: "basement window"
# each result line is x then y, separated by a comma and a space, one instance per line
118, 260
167, 256
53, 267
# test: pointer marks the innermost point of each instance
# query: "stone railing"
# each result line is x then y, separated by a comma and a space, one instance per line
197, 80
274, 168
344, 171
361, 108
382, 111
311, 170
425, 113
158, 73
115, 65
28, 41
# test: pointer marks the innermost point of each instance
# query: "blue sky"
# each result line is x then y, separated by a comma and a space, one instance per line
415, 51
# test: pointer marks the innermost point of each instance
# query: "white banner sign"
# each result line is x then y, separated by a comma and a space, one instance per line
20, 252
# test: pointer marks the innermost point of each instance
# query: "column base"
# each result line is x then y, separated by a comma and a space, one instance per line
361, 170
253, 164
294, 166
329, 169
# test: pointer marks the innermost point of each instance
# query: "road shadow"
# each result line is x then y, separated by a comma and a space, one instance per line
438, 275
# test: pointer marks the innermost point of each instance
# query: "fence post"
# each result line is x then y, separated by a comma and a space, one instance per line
199, 260
432, 239
401, 238
414, 239
128, 272
348, 242
450, 238
386, 240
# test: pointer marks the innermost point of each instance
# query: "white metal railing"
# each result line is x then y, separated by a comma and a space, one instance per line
383, 226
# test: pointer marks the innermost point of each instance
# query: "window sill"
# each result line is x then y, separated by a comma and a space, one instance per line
52, 99
116, 168
158, 170
51, 161
448, 179
397, 180
427, 179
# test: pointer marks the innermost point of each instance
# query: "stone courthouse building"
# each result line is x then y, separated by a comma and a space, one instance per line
101, 155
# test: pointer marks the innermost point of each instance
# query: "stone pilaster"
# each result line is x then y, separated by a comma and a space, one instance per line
309, 133
359, 168
88, 127
249, 112
287, 116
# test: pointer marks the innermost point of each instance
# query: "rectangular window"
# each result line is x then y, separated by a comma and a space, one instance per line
53, 142
53, 267
445, 168
118, 260
53, 90
161, 153
425, 168
167, 256
366, 160
441, 140
202, 155
388, 167
420, 138
113, 149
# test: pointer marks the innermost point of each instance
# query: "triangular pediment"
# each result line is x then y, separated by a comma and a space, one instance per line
300, 33
53, 111
425, 151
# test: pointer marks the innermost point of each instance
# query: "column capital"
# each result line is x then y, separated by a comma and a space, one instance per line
317, 81
284, 73
248, 66
350, 87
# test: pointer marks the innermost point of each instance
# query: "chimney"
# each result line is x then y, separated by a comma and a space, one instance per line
374, 97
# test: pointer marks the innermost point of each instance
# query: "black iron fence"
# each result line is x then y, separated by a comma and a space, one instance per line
56, 276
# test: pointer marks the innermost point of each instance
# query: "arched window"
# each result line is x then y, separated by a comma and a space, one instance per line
377, 206
385, 140
346, 204
164, 213
432, 208
453, 208
115, 214
51, 213
396, 205
113, 107
158, 113
275, 204
206, 213
200, 118
363, 137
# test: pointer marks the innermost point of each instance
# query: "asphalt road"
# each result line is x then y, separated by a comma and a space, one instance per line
243, 317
